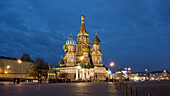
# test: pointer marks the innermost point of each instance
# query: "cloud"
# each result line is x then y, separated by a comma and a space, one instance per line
133, 33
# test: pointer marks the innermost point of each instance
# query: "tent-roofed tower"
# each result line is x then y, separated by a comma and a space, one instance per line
96, 53
82, 39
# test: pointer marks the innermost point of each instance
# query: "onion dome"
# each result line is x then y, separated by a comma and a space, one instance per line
82, 17
65, 48
96, 41
82, 28
61, 61
70, 42
85, 49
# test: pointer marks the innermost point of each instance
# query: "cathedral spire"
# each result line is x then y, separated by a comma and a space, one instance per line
96, 32
82, 28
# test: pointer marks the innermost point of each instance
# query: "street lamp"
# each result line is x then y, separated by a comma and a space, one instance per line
129, 68
8, 67
6, 72
19, 61
112, 64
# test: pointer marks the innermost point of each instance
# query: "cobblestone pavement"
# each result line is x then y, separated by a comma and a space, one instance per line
60, 89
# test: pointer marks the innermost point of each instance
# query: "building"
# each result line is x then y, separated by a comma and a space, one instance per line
84, 63
159, 75
16, 68
138, 76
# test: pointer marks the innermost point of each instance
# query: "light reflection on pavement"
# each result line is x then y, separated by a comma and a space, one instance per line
60, 89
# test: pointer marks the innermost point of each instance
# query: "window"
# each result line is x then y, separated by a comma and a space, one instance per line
51, 75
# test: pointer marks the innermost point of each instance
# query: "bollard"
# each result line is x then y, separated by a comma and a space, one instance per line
149, 94
126, 90
131, 91
123, 86
135, 92
120, 85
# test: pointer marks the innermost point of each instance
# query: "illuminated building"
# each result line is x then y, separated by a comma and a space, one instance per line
13, 68
159, 75
84, 63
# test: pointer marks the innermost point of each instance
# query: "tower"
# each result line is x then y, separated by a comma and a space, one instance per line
82, 39
70, 54
96, 53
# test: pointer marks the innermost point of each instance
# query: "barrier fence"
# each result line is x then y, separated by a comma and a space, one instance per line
128, 90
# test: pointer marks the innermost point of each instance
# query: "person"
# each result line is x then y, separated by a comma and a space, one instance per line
14, 80
18, 80
40, 80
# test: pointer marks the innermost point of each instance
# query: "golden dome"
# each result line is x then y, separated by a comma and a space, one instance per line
61, 61
82, 17
65, 47
85, 49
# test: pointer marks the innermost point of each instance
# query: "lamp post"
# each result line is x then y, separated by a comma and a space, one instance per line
111, 65
7, 69
19, 61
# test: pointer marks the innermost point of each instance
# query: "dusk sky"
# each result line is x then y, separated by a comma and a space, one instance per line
133, 33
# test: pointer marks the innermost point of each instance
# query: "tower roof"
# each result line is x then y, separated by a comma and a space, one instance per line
61, 61
82, 28
96, 40
70, 41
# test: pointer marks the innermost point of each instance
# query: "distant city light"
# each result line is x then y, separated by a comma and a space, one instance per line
19, 61
129, 68
112, 64
109, 72
136, 78
124, 71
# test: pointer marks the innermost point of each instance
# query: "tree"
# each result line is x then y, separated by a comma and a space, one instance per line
40, 68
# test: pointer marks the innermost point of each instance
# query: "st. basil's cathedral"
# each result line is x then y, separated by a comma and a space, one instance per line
84, 63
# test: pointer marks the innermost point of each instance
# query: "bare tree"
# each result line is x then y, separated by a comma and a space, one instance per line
40, 69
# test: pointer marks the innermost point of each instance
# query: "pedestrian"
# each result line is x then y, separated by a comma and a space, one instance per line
18, 80
40, 80
14, 80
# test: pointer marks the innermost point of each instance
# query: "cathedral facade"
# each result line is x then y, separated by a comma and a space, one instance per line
84, 63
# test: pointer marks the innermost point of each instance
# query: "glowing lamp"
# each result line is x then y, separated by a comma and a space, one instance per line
112, 64
78, 67
6, 72
19, 61
8, 66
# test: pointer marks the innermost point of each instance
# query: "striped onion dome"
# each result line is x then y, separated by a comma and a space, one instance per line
70, 42
96, 41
